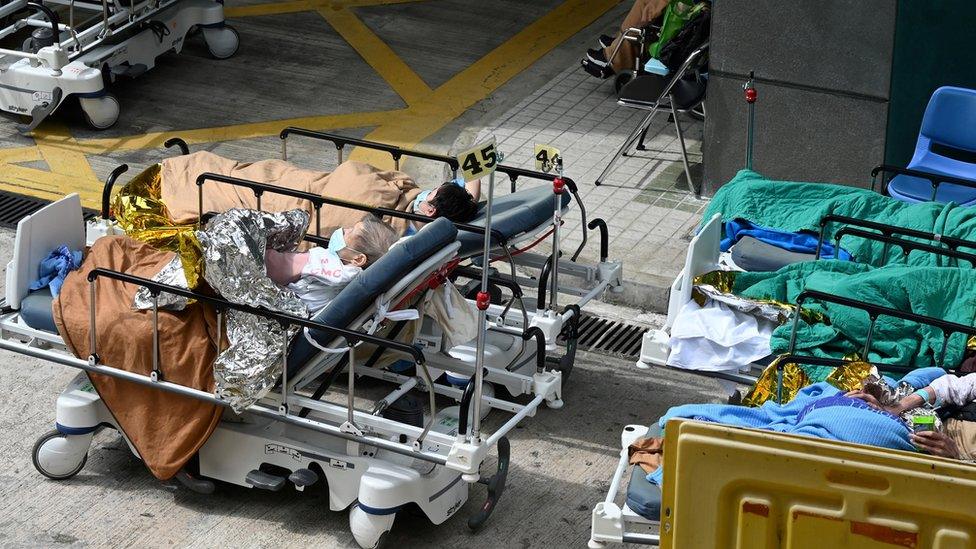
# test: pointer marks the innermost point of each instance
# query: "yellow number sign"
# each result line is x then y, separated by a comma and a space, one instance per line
546, 157
478, 161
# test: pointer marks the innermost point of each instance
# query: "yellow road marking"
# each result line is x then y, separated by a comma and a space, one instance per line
203, 135
278, 8
428, 110
478, 81
379, 55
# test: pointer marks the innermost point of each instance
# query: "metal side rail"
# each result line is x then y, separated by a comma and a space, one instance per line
874, 311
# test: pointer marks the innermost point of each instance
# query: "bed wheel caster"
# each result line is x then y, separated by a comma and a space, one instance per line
555, 404
594, 544
198, 485
222, 42
369, 530
101, 112
58, 456
496, 486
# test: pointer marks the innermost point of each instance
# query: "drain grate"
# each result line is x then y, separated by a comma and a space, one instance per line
13, 208
610, 336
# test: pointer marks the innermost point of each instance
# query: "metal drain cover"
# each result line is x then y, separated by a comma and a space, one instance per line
14, 207
608, 336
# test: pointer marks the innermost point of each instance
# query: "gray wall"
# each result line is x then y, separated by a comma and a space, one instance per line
822, 72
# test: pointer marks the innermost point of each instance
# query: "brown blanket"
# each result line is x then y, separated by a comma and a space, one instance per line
166, 429
351, 181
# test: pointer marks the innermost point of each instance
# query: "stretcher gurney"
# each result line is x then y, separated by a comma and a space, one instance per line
774, 490
358, 452
750, 254
101, 42
370, 462
647, 506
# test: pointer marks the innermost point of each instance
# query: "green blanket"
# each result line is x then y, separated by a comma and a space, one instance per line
946, 293
795, 206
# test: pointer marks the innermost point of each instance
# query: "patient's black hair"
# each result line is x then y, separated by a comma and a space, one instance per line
455, 203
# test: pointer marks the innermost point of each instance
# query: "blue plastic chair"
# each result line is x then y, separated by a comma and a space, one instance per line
947, 129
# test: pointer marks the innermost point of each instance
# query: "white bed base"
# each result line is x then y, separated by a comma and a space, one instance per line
35, 81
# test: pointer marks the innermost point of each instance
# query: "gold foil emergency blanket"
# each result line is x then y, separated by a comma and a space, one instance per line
141, 213
848, 377
234, 244
714, 284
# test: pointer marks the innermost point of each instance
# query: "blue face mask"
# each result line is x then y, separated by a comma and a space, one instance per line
337, 241
420, 198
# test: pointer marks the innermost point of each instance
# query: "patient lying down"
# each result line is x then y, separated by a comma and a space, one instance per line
318, 275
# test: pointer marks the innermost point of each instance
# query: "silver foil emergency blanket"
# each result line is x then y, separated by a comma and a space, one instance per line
171, 274
889, 396
234, 245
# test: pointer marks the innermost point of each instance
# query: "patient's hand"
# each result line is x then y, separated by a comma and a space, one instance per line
872, 401
866, 397
936, 444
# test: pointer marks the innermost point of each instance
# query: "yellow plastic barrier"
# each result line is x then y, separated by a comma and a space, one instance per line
728, 487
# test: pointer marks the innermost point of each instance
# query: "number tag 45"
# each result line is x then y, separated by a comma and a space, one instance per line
478, 161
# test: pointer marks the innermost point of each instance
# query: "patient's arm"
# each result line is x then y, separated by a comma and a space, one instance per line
284, 268
474, 189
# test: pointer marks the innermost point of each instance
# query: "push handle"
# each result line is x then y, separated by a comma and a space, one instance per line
107, 189
496, 486
178, 142
604, 237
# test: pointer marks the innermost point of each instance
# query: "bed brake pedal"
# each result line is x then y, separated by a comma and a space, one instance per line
303, 477
265, 481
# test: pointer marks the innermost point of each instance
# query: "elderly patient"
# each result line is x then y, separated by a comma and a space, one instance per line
318, 275
955, 400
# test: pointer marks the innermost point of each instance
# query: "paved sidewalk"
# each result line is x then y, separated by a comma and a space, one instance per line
645, 200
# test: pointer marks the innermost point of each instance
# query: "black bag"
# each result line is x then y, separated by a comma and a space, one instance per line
688, 39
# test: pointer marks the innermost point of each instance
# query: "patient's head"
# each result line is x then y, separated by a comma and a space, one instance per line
450, 201
366, 242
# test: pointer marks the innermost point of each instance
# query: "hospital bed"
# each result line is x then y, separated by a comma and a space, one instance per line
520, 220
101, 42
639, 518
749, 254
371, 463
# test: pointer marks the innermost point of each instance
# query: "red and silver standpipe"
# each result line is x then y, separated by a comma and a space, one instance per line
751, 95
483, 300
558, 188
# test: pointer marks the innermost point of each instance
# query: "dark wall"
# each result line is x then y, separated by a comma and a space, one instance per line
823, 74
935, 45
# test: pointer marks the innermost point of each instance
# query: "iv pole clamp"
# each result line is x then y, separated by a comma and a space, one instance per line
750, 95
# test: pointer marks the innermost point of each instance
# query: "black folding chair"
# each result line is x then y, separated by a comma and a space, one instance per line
683, 92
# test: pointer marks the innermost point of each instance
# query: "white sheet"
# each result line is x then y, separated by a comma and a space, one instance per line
717, 338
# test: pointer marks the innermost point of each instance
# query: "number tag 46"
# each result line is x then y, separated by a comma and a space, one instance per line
478, 161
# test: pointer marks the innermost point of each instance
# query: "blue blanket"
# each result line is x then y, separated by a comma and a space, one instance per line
54, 268
819, 410
803, 242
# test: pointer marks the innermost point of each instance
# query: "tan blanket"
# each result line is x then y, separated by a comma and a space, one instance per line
166, 429
351, 181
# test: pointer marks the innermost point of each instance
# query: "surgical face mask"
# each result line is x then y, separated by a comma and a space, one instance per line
420, 199
337, 241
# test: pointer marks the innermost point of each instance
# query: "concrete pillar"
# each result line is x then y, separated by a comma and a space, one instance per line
823, 70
